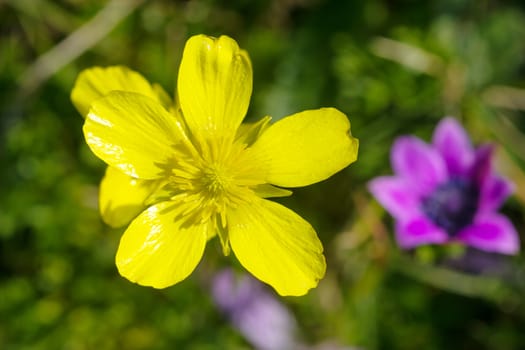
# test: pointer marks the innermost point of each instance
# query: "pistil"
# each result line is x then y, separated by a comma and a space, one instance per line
452, 205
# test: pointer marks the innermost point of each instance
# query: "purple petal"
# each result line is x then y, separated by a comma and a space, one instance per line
267, 324
224, 291
495, 189
419, 231
418, 163
492, 233
253, 311
451, 140
395, 195
482, 165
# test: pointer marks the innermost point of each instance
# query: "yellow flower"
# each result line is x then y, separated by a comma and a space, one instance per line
197, 172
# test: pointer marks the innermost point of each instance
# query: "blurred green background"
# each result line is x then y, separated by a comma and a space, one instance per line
394, 67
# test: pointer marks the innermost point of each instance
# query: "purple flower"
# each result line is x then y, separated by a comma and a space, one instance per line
255, 312
258, 315
446, 192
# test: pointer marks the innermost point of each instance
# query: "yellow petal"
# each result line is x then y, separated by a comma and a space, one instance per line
248, 133
97, 82
269, 191
122, 197
163, 97
133, 133
277, 246
158, 249
305, 148
162, 192
214, 85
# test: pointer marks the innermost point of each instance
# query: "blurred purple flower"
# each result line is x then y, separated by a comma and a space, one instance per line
259, 316
446, 192
261, 319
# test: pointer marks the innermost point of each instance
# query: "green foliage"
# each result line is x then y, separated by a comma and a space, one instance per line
394, 67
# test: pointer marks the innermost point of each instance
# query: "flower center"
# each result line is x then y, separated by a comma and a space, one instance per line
452, 205
210, 177
215, 179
